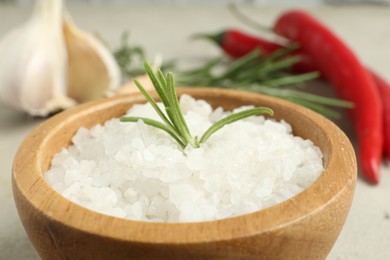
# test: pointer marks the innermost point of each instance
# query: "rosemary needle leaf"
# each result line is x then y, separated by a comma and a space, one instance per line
280, 64
316, 107
162, 79
203, 70
233, 118
282, 52
153, 103
299, 95
325, 100
239, 63
156, 124
291, 79
168, 106
179, 122
157, 84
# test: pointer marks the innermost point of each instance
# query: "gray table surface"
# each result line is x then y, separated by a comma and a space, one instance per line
366, 234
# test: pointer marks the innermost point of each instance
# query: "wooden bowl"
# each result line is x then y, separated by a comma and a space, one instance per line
304, 227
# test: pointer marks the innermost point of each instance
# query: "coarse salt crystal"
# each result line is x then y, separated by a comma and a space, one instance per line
135, 171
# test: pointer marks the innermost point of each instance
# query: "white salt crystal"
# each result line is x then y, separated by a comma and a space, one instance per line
265, 188
137, 144
195, 160
216, 114
135, 171
82, 136
189, 212
136, 210
181, 193
148, 156
117, 212
176, 173
56, 178
130, 195
190, 105
156, 207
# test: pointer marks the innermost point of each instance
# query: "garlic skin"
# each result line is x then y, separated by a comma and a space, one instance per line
48, 64
92, 69
33, 61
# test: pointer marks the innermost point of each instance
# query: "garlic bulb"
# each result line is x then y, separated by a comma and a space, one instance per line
48, 64
33, 63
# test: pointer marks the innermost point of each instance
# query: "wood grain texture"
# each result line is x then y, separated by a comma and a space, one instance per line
304, 227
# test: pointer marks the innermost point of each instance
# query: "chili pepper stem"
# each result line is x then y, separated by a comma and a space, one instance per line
216, 38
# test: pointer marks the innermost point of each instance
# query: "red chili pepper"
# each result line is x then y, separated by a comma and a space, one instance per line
237, 44
384, 91
351, 81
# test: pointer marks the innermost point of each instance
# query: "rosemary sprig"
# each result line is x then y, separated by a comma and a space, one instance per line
130, 58
173, 120
267, 75
255, 72
126, 56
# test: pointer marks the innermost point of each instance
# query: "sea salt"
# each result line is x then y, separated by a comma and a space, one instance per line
134, 171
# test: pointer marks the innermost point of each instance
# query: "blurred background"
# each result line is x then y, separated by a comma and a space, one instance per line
207, 2
363, 25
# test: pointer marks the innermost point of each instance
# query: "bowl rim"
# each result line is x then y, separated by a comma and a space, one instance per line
28, 179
